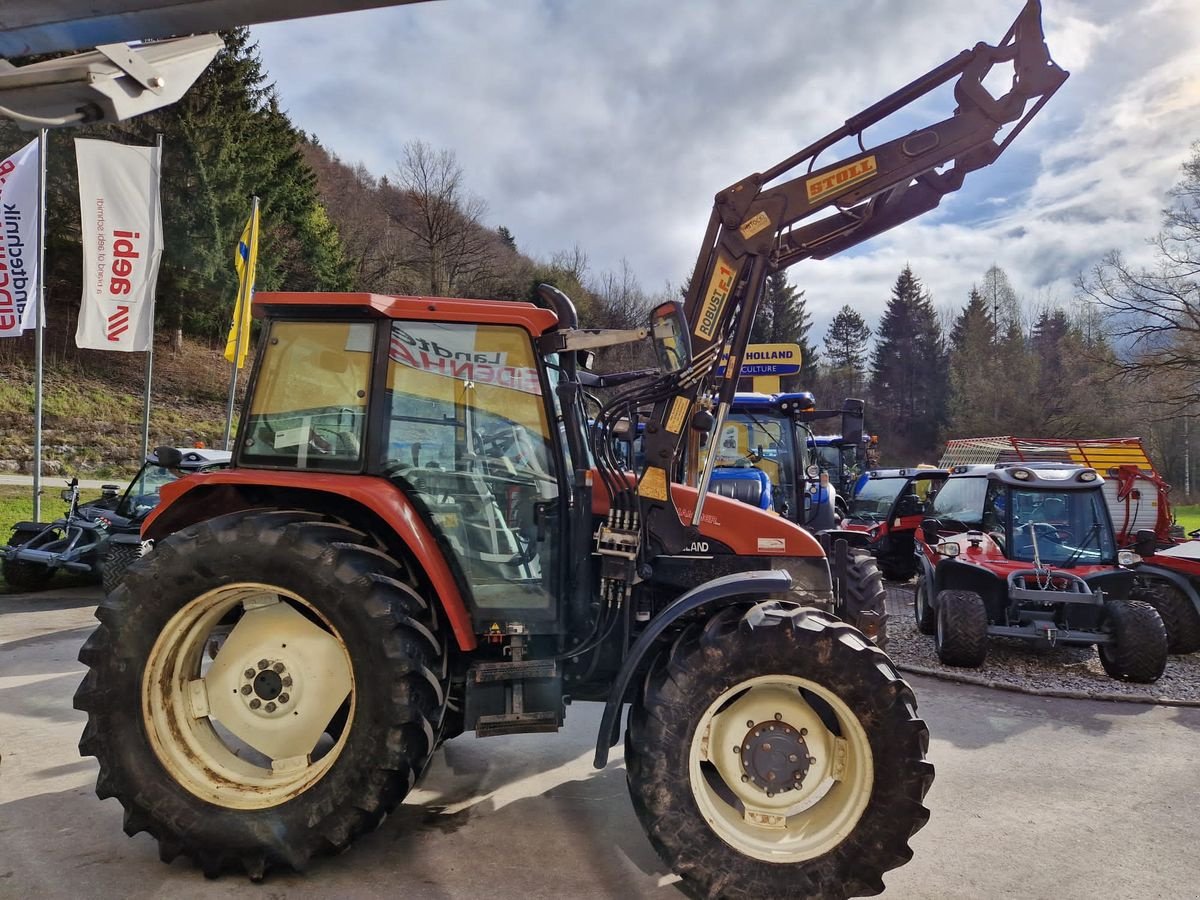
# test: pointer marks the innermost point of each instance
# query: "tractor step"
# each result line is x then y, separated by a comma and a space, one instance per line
485, 672
516, 723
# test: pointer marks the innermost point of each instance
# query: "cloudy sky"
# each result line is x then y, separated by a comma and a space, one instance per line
612, 124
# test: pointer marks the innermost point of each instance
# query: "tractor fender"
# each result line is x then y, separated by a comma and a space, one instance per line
739, 584
1176, 579
954, 572
209, 494
850, 536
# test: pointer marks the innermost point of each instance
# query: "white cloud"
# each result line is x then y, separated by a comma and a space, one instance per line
612, 125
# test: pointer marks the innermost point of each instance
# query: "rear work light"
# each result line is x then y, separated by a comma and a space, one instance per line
1021, 474
1087, 475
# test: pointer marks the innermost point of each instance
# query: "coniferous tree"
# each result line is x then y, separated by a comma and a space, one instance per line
973, 370
908, 379
846, 353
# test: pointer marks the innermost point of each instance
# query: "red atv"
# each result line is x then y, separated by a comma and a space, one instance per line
1174, 573
1027, 551
886, 513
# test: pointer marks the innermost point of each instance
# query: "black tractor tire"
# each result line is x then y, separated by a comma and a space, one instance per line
1178, 613
118, 557
863, 592
685, 686
1138, 650
895, 570
961, 634
22, 575
924, 611
357, 595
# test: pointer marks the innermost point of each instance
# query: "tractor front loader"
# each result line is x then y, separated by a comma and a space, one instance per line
421, 535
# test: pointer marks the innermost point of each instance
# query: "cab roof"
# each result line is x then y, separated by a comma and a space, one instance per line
1045, 475
324, 305
912, 472
799, 400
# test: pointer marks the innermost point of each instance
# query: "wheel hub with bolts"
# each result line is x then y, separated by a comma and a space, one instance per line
267, 687
775, 755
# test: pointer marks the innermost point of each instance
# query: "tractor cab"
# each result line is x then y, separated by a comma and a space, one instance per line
1027, 551
761, 453
885, 513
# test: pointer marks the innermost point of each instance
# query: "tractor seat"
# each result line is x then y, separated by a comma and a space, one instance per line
748, 485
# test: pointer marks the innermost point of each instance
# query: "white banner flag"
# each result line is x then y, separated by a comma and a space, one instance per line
19, 241
122, 244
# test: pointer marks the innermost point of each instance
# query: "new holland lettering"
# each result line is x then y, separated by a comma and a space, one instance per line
122, 266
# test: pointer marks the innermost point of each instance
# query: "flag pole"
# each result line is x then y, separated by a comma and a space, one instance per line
38, 333
150, 347
242, 313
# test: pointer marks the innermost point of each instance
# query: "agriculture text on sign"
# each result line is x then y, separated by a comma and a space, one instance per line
769, 359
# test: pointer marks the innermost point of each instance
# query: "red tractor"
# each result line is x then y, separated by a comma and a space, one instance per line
886, 513
421, 535
1174, 574
1028, 551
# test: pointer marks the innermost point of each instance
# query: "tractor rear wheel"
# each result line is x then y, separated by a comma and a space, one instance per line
864, 601
1178, 613
775, 752
923, 609
1138, 650
961, 634
262, 687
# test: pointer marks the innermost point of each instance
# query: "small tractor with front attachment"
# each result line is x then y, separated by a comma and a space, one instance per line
885, 514
100, 537
1028, 551
421, 535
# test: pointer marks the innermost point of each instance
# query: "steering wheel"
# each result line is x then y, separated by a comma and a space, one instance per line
1048, 531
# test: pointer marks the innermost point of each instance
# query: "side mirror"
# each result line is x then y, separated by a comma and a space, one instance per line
930, 529
168, 457
1145, 542
623, 430
668, 331
585, 359
852, 423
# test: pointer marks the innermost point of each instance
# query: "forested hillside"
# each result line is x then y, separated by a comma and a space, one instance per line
1118, 359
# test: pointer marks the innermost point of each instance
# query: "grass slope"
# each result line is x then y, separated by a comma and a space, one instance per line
92, 408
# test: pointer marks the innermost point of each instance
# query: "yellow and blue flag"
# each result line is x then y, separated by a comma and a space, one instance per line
245, 260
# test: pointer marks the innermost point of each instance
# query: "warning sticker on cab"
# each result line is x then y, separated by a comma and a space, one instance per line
772, 545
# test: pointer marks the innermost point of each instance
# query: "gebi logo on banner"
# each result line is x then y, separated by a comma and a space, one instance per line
122, 240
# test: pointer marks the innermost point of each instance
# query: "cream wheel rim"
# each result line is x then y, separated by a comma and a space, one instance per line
771, 777
241, 716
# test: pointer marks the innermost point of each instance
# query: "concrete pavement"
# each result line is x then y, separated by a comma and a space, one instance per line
1034, 798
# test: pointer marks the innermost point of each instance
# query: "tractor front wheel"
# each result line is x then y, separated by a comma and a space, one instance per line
262, 687
775, 752
961, 629
864, 600
923, 609
1138, 649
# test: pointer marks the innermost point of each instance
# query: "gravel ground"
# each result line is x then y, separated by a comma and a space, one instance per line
1029, 666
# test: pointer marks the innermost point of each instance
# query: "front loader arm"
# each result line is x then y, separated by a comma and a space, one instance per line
755, 229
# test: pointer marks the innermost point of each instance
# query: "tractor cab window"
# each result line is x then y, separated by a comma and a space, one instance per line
756, 461
310, 401
875, 498
959, 503
1063, 527
468, 433
142, 494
